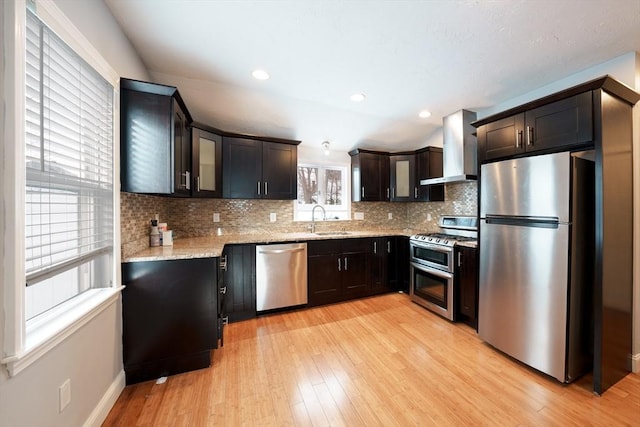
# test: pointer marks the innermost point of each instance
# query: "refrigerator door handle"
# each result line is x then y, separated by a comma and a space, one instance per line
524, 221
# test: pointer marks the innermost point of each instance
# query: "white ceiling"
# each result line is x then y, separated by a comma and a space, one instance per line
440, 55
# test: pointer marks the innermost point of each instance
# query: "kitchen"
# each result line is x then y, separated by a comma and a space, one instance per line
375, 214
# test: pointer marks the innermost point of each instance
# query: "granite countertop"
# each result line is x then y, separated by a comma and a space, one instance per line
212, 246
468, 244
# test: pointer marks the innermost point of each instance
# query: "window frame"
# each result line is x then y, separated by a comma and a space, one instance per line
302, 212
25, 344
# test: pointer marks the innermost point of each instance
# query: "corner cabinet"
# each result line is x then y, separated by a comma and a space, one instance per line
169, 317
369, 176
206, 162
155, 143
259, 169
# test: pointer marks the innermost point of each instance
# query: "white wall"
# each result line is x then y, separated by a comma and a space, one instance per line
92, 357
626, 69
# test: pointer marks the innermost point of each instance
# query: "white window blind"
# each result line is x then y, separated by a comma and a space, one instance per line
69, 167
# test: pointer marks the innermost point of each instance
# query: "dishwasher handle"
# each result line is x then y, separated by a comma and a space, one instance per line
280, 251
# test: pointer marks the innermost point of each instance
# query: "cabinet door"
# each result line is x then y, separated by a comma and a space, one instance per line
402, 264
169, 316
240, 279
279, 171
380, 265
502, 138
467, 284
403, 178
181, 152
206, 163
146, 130
372, 173
429, 165
323, 279
241, 168
561, 124
355, 267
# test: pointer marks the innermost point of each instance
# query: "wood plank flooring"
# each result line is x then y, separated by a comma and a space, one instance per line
380, 361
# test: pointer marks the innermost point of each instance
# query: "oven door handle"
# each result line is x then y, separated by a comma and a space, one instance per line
435, 272
434, 247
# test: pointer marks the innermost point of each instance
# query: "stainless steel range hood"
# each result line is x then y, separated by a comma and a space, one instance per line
459, 149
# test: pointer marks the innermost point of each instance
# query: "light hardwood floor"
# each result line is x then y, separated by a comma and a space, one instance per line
380, 361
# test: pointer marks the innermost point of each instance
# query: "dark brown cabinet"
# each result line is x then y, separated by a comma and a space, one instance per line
369, 176
155, 143
169, 317
467, 285
429, 165
206, 159
338, 270
559, 125
399, 264
239, 282
257, 169
383, 277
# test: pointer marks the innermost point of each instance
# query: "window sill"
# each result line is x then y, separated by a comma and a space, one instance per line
47, 331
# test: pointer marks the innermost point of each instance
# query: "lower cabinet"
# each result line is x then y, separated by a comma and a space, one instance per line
338, 270
383, 277
467, 285
169, 317
399, 275
239, 282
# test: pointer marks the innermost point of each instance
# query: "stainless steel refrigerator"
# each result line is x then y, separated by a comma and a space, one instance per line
536, 260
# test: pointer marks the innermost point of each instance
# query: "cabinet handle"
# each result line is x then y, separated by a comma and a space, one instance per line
339, 266
258, 188
459, 259
346, 267
266, 188
529, 135
362, 191
187, 179
388, 246
415, 192
223, 290
225, 320
223, 263
375, 247
387, 192
198, 184
519, 139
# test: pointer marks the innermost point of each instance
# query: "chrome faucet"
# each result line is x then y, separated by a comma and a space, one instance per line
313, 217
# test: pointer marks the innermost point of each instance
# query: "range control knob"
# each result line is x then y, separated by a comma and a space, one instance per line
446, 242
438, 240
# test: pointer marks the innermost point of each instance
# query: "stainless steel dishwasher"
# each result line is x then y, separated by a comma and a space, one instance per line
281, 275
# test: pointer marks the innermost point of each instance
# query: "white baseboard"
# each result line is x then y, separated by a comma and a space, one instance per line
100, 412
635, 363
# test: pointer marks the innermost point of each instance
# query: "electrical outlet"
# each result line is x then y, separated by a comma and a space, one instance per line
272, 217
390, 215
216, 217
358, 215
64, 394
429, 217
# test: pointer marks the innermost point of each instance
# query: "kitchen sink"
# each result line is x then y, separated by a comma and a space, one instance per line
332, 233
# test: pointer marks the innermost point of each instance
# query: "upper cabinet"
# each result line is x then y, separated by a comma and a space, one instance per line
559, 125
429, 165
206, 162
155, 146
379, 176
259, 169
369, 176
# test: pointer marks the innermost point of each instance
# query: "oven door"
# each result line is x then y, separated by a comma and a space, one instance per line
430, 255
432, 289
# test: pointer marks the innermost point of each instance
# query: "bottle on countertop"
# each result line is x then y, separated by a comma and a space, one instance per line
154, 234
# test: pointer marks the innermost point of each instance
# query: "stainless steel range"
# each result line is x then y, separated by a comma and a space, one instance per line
433, 266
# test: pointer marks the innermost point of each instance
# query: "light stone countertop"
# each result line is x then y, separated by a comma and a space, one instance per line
469, 244
211, 247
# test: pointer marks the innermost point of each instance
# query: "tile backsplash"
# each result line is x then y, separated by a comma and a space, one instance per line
194, 217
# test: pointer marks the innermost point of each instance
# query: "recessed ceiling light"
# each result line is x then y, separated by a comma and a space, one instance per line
357, 97
424, 114
260, 74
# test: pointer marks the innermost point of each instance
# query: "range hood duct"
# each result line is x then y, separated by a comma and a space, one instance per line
459, 149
